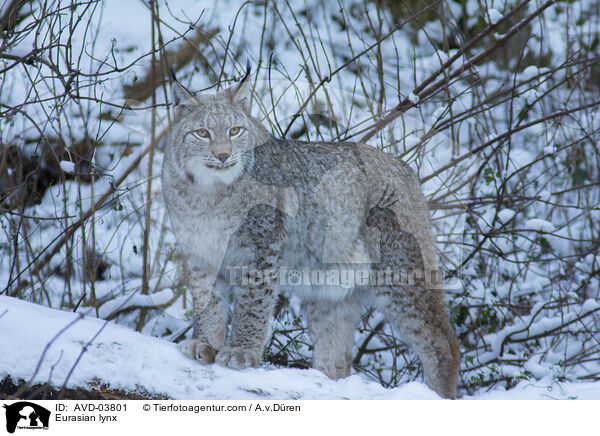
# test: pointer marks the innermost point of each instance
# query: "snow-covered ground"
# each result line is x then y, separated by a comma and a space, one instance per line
32, 335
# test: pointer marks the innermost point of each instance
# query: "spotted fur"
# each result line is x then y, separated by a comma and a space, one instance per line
239, 198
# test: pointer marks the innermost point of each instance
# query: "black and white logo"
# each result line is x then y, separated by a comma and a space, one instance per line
26, 415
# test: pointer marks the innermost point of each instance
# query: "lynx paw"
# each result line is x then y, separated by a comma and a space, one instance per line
197, 350
334, 367
237, 357
335, 372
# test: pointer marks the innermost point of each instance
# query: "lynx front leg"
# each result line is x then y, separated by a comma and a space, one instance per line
256, 246
209, 318
250, 329
331, 326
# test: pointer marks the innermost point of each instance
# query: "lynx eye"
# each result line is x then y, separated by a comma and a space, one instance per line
201, 133
235, 131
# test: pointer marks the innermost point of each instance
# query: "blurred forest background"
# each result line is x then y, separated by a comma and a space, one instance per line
495, 104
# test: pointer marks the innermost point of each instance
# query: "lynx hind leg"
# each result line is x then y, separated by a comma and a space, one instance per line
209, 324
419, 316
255, 245
331, 327
418, 313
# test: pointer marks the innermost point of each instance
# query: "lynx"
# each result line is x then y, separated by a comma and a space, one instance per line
255, 215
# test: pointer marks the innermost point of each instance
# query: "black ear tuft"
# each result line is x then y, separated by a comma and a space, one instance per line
179, 92
240, 94
172, 74
248, 69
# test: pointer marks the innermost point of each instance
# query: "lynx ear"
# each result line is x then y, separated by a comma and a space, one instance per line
180, 93
240, 94
183, 99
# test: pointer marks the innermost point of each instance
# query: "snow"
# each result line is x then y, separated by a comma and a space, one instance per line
544, 195
544, 389
66, 166
124, 359
505, 215
494, 16
530, 72
124, 301
539, 225
589, 305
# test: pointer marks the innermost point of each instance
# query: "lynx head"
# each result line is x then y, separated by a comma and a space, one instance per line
212, 134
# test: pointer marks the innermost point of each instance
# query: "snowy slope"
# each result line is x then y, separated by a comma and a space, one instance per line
124, 359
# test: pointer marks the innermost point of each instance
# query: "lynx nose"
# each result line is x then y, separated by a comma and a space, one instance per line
223, 156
